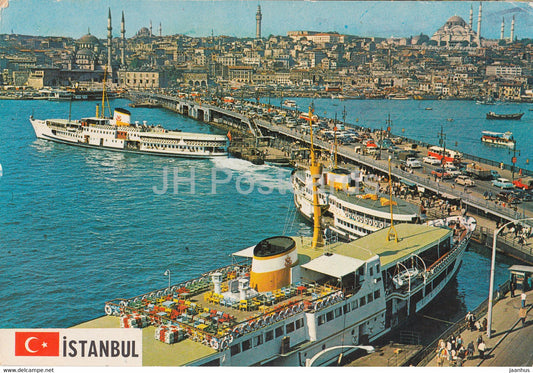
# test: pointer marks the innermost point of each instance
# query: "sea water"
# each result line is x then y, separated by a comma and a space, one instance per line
79, 227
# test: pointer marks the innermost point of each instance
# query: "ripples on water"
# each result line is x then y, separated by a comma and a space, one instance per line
81, 226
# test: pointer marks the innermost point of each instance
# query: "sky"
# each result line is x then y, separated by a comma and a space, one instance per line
74, 18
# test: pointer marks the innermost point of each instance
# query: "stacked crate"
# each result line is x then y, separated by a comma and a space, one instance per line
169, 334
134, 321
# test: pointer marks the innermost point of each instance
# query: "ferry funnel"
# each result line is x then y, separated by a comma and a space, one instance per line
122, 117
272, 262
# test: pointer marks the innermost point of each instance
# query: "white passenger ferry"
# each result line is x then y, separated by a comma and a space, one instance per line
291, 304
119, 134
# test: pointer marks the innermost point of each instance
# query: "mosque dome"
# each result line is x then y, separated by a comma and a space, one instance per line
88, 39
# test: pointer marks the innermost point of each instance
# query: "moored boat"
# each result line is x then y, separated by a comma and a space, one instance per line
292, 302
289, 103
512, 116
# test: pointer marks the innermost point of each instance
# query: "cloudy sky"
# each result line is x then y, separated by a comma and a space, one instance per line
237, 18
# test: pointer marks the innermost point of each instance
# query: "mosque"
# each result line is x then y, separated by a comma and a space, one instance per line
456, 31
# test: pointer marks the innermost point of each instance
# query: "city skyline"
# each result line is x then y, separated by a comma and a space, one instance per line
74, 18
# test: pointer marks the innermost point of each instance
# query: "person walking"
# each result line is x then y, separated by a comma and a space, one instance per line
512, 287
481, 348
470, 350
523, 298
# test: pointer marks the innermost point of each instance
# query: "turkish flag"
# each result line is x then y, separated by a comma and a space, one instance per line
36, 343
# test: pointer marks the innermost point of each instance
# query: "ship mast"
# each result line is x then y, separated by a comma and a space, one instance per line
391, 235
104, 97
318, 240
335, 135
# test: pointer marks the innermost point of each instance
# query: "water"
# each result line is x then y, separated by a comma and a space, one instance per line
411, 119
80, 226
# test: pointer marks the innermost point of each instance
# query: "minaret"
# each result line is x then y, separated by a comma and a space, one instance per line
503, 28
479, 26
123, 41
151, 29
471, 16
160, 30
109, 40
258, 18
512, 30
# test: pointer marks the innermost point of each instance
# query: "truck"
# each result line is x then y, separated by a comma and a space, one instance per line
478, 172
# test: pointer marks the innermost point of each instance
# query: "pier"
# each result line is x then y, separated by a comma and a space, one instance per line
487, 211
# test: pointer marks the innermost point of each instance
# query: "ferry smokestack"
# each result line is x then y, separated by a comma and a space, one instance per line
272, 262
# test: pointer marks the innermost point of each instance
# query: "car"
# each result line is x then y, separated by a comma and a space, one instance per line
494, 174
439, 172
525, 196
464, 180
502, 183
452, 170
524, 184
431, 160
413, 163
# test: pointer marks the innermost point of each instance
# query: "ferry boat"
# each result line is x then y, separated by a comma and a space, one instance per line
293, 301
448, 154
307, 117
119, 134
286, 303
513, 116
352, 207
498, 138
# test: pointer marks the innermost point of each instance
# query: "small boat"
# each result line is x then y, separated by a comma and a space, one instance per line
429, 108
498, 138
514, 116
289, 103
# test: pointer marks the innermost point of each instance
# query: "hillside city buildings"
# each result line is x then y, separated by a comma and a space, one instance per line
455, 62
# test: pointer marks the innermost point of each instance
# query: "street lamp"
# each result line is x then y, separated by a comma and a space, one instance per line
167, 273
492, 264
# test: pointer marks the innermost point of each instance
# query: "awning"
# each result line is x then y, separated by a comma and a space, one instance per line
449, 196
245, 253
334, 265
407, 182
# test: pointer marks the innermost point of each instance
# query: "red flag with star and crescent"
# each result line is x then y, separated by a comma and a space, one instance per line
36, 343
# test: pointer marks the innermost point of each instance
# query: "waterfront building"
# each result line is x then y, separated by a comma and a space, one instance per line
503, 70
143, 79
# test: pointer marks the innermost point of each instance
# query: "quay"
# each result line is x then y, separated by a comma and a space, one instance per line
509, 346
488, 212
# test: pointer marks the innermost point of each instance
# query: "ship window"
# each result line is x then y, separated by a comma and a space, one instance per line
338, 312
279, 331
346, 308
246, 345
362, 301
377, 268
370, 297
269, 335
329, 316
320, 319
258, 340
289, 328
299, 323
371, 271
235, 349
354, 304
376, 294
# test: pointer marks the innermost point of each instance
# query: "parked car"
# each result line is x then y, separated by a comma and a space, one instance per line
439, 172
508, 196
431, 160
525, 196
413, 163
464, 180
502, 183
